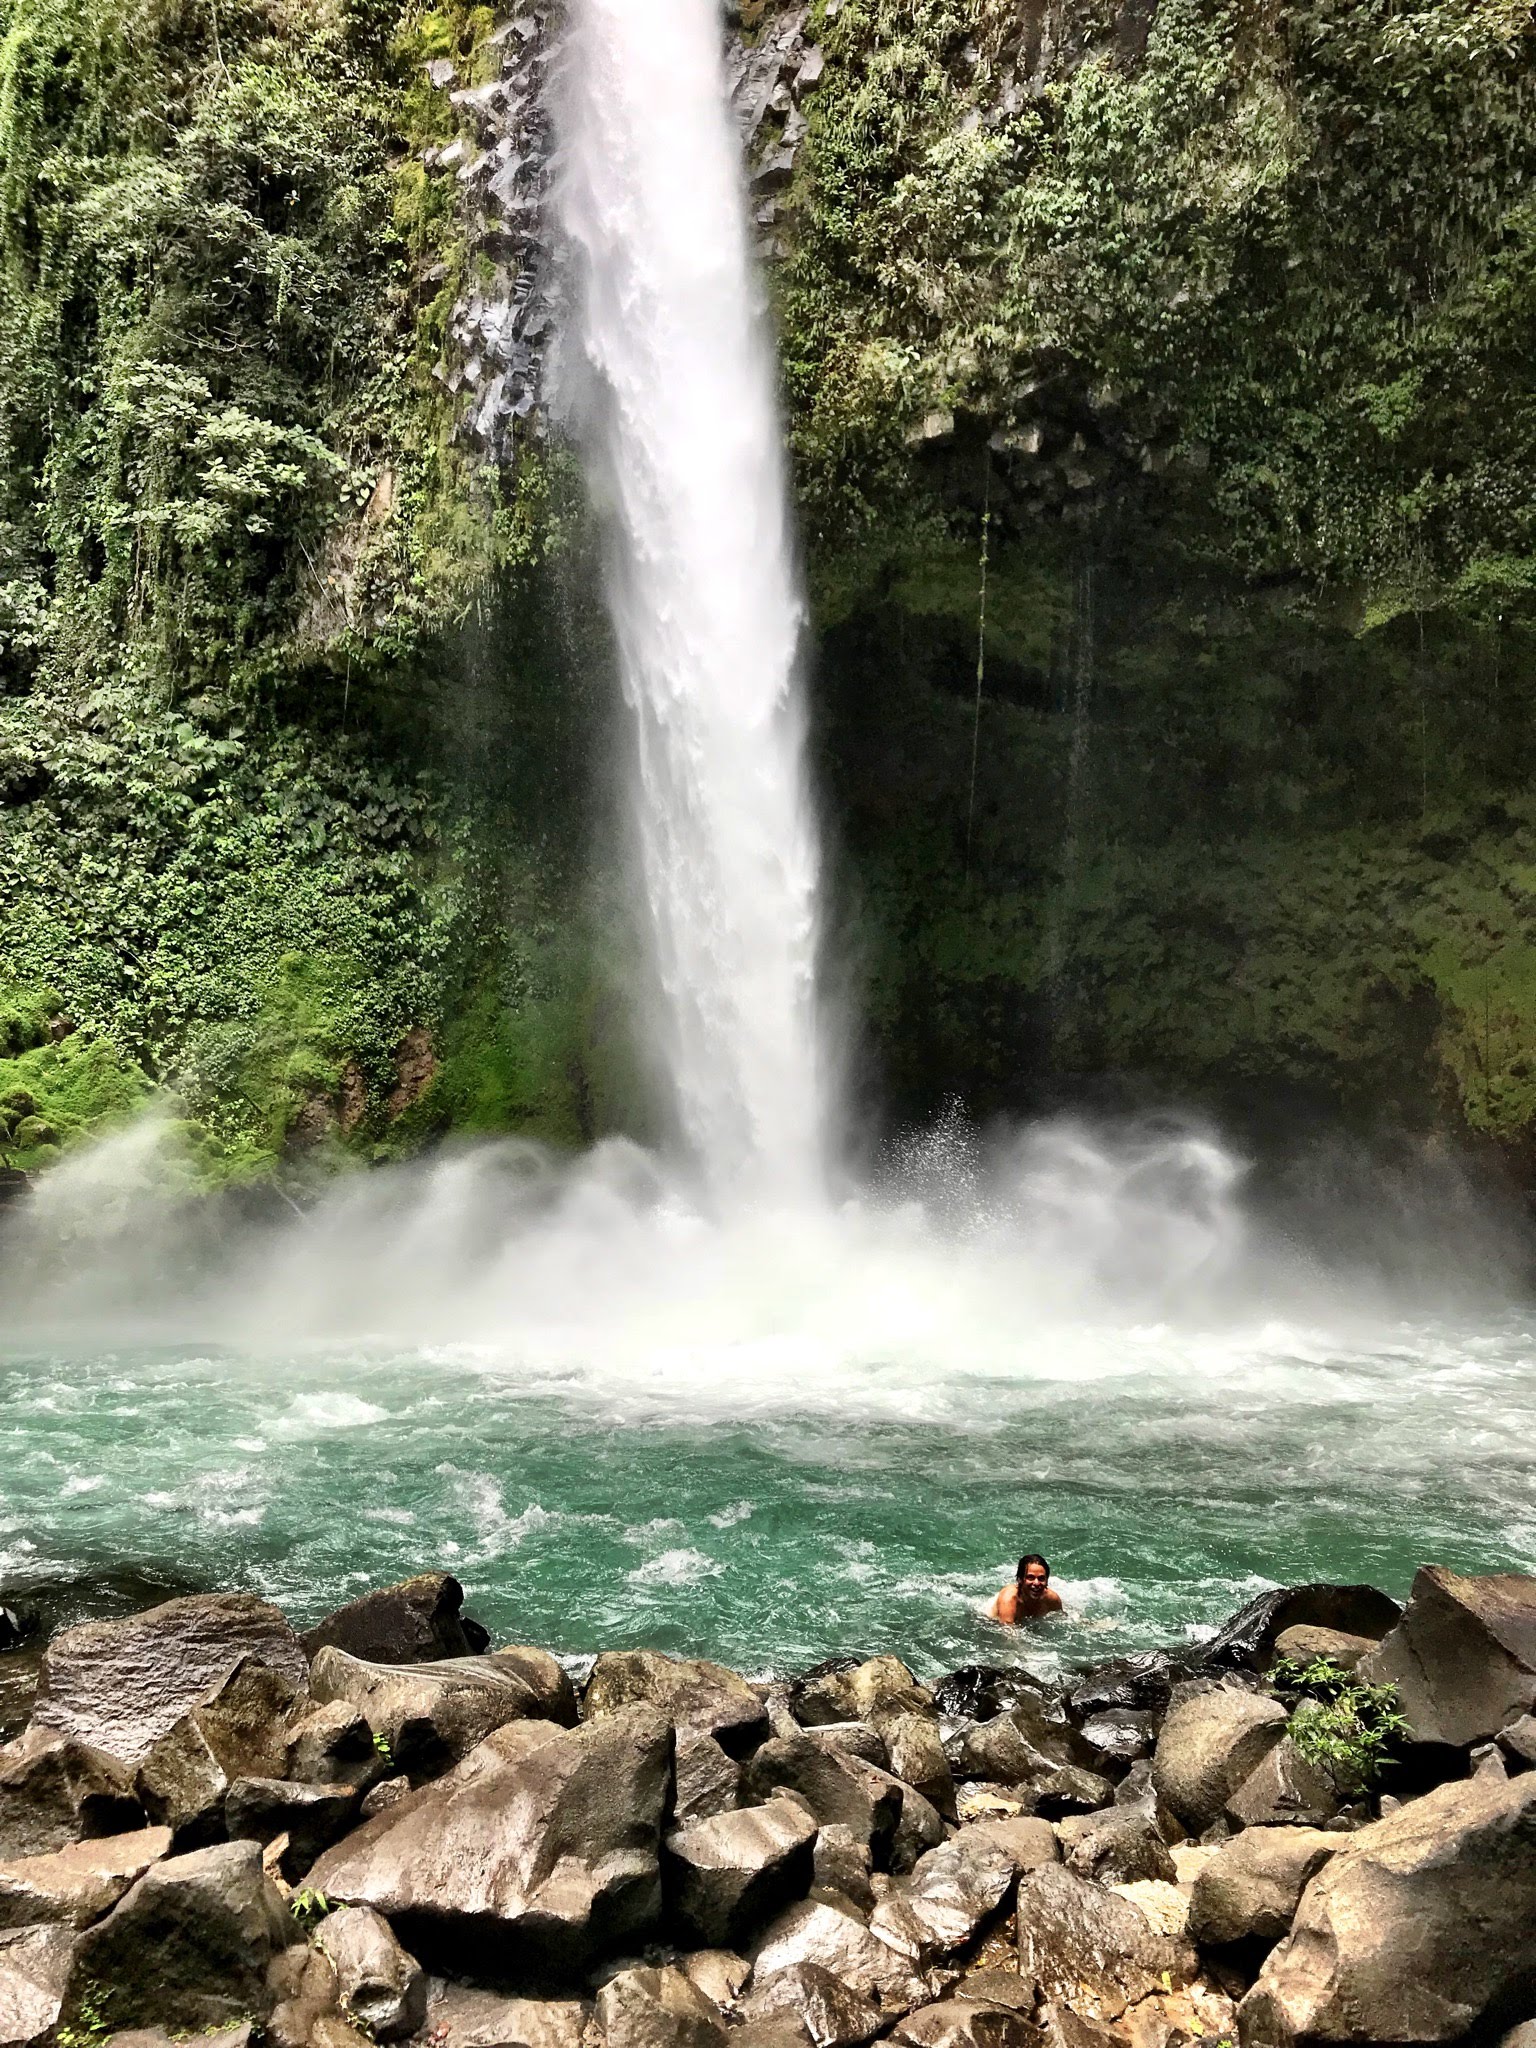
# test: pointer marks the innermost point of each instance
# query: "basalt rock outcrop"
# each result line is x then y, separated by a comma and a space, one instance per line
460, 1852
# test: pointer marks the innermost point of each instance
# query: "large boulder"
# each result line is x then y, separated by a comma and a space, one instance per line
954, 1889
832, 2013
1306, 1645
188, 1948
657, 2008
74, 1886
460, 2017
1248, 1640
815, 1932
874, 1691
334, 1745
54, 1791
430, 1716
726, 1876
1250, 1889
1213, 1739
1142, 1684
1117, 1845
34, 1973
239, 1732
122, 1685
1084, 1948
311, 1817
1421, 1928
980, 1692
1010, 1748
417, 1622
546, 1840
839, 1790
1285, 1787
915, 1754
708, 1781
380, 1985
1463, 1657
697, 1697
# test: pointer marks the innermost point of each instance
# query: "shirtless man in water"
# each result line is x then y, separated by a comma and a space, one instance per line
1029, 1598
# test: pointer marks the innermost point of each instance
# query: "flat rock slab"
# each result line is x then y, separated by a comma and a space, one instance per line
547, 1839
1463, 1657
963, 2023
1084, 1948
459, 2017
120, 1686
1420, 1926
75, 1886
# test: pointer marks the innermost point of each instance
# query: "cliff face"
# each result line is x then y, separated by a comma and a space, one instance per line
1207, 325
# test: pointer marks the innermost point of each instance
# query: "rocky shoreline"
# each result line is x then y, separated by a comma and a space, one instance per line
1320, 1826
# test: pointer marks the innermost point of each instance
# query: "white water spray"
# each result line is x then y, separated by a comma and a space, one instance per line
670, 380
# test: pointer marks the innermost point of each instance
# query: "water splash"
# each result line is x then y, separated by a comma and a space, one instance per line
669, 381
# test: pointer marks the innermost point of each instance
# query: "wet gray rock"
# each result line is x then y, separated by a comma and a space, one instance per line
708, 1781
1212, 1740
1142, 1684
120, 1686
430, 1715
1420, 1928
1117, 1738
333, 1745
415, 1622
1084, 1948
1017, 1746
727, 1876
838, 1790
34, 1971
54, 1791
657, 2008
1463, 1657
980, 1692
966, 2023
1285, 1787
189, 1947
1117, 1845
311, 1816
842, 1868
919, 1828
831, 2012
1250, 1889
916, 1756
849, 1738
380, 1984
459, 2017
1247, 1641
877, 1690
839, 1942
696, 1696
1067, 1790
239, 1732
546, 1838
74, 1886
937, 1910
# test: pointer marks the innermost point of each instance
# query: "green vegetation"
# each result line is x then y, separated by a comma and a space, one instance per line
1222, 324
1342, 1725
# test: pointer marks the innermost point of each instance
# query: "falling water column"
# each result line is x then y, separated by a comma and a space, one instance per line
670, 382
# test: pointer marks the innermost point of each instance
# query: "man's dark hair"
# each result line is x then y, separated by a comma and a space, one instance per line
1034, 1557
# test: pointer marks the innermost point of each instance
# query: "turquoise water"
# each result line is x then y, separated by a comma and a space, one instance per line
777, 1437
1163, 1501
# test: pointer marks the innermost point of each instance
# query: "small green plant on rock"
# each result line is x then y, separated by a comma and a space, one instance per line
1339, 1723
91, 2026
309, 1908
381, 1744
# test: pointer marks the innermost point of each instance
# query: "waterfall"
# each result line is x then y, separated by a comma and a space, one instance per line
668, 377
